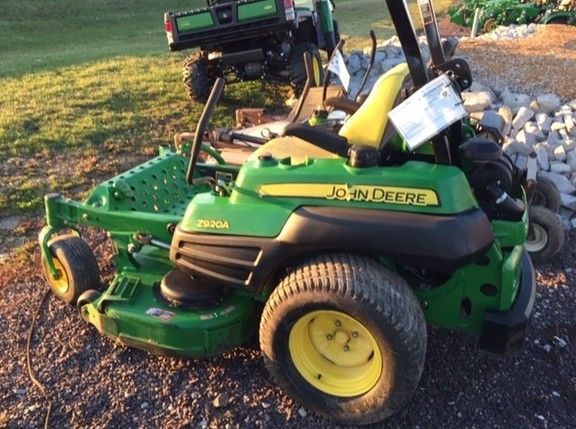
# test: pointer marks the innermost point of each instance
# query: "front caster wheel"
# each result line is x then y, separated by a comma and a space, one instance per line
77, 268
345, 337
545, 234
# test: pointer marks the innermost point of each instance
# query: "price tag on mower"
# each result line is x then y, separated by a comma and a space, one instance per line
428, 111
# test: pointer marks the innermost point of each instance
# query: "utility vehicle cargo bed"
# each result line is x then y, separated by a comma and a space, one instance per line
225, 22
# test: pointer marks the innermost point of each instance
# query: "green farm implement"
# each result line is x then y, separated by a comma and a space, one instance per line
338, 245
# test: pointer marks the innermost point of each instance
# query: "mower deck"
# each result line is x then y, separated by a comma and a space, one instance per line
133, 311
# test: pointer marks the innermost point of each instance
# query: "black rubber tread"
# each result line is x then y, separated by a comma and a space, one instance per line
197, 81
549, 221
87, 297
80, 265
297, 69
547, 194
364, 289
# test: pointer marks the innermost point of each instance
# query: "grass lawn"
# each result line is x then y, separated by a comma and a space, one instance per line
89, 89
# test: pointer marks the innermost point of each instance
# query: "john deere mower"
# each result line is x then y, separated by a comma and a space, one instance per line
338, 247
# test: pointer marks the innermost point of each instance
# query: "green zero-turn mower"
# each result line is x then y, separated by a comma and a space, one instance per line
339, 247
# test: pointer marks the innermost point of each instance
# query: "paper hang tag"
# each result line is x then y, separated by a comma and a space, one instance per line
428, 111
337, 65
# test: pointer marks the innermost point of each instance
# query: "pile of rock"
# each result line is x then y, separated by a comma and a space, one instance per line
541, 124
389, 54
511, 32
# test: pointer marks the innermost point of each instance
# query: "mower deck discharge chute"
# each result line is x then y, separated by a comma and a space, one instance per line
339, 246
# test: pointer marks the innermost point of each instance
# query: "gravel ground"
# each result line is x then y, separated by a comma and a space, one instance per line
543, 63
94, 382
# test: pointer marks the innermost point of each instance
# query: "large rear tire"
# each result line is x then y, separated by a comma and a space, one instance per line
77, 268
197, 79
545, 234
345, 337
297, 69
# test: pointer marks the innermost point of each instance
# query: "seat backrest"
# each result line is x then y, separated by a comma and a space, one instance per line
368, 124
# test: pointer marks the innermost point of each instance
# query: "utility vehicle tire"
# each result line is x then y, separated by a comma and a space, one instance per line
345, 337
196, 77
297, 70
545, 234
77, 265
546, 194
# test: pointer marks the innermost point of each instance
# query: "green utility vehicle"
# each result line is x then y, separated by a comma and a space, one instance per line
251, 39
338, 247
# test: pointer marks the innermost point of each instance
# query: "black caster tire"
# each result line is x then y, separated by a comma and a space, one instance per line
345, 337
76, 265
545, 234
546, 194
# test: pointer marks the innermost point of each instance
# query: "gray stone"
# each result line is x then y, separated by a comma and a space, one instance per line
544, 121
564, 134
531, 128
564, 110
573, 223
526, 138
571, 159
569, 145
542, 157
557, 125
515, 101
570, 126
354, 63
568, 201
524, 115
515, 147
549, 103
560, 153
477, 87
561, 182
559, 168
476, 101
572, 104
553, 138
506, 113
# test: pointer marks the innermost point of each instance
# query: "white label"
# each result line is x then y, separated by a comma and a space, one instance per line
428, 111
338, 67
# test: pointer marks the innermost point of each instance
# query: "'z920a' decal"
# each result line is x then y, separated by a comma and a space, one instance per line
368, 193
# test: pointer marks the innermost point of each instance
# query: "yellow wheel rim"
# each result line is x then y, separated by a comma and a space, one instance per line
316, 67
335, 353
60, 285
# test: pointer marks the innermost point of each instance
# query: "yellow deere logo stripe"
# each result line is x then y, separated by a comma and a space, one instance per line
369, 193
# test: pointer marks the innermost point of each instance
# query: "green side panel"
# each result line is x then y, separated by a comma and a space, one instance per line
247, 212
256, 10
199, 21
461, 302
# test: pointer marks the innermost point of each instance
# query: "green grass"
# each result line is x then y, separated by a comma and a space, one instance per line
89, 89
41, 35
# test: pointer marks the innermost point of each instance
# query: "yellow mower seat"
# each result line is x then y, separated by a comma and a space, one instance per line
368, 124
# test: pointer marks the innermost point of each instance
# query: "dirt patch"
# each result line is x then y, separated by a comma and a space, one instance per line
543, 63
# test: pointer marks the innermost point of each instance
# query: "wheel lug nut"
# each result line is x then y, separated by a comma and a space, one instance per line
346, 348
329, 337
338, 323
354, 334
